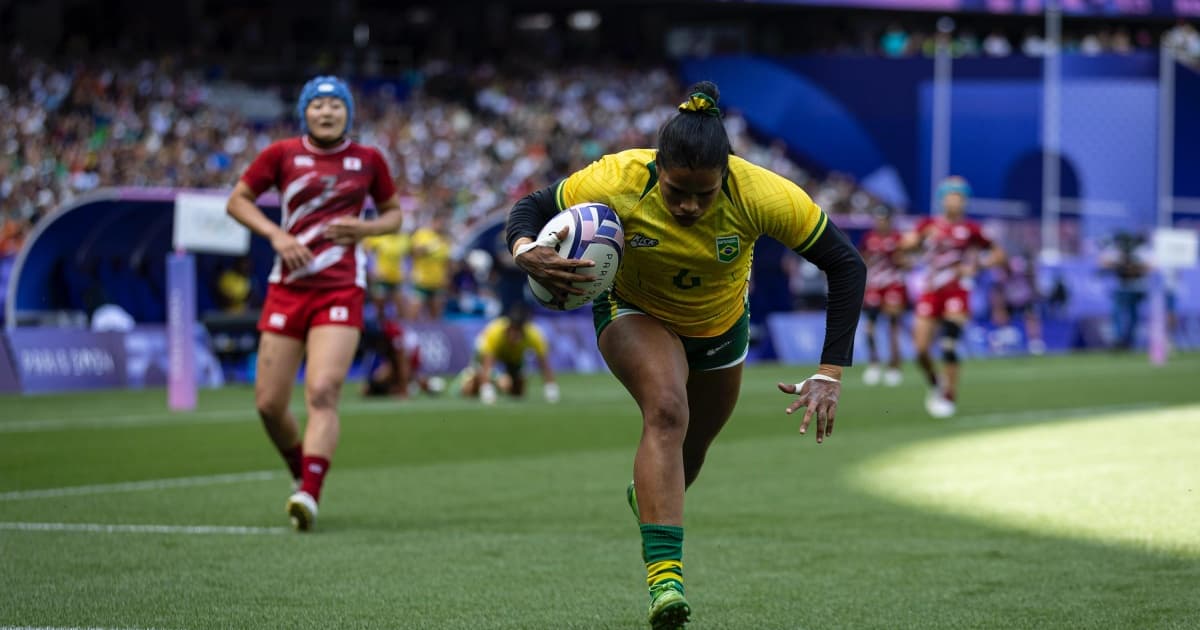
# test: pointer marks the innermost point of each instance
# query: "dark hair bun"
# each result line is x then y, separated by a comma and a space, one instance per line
708, 88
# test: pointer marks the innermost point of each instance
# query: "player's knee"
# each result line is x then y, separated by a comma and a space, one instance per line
666, 416
323, 392
270, 408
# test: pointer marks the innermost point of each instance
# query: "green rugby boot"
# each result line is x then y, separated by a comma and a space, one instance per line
669, 609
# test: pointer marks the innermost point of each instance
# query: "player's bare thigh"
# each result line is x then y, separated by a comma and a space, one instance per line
712, 396
330, 352
650, 362
279, 358
924, 328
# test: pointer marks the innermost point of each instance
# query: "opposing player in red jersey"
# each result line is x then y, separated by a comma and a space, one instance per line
397, 364
314, 302
951, 243
886, 294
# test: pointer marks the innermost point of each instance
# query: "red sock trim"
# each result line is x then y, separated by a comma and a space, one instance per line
313, 478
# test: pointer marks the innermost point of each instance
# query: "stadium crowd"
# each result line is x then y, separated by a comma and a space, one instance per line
71, 128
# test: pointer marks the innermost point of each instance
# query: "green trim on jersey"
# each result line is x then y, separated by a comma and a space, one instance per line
703, 353
812, 238
651, 166
558, 194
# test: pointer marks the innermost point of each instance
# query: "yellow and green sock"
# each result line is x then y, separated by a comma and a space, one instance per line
662, 550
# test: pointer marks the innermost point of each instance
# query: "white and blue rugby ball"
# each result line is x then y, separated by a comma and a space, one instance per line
593, 233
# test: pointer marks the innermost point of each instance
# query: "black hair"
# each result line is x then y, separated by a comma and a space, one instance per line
518, 314
695, 138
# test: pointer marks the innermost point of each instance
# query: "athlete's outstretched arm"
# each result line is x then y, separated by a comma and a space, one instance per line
846, 274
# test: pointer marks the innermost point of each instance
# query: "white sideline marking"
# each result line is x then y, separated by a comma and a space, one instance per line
101, 528
136, 486
228, 416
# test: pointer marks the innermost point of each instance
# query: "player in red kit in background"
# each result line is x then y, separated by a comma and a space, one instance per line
886, 294
314, 302
951, 244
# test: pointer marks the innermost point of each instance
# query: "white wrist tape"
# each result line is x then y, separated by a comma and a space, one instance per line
814, 377
550, 240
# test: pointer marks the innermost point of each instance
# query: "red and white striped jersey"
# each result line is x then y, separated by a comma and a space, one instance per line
315, 187
879, 251
947, 245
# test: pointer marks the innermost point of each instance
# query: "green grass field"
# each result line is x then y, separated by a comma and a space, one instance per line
1066, 494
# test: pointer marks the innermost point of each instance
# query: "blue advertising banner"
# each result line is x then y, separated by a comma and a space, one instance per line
799, 337
8, 374
57, 359
147, 361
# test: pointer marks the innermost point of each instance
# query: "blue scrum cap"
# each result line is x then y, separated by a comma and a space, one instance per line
953, 184
318, 87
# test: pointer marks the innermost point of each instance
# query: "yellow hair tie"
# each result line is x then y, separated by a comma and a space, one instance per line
701, 103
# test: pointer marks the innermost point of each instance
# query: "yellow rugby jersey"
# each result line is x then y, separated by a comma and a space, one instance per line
431, 269
695, 278
389, 251
493, 341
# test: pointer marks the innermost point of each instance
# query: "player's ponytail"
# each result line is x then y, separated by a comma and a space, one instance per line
695, 138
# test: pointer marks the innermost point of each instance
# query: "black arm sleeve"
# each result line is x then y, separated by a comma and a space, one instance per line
847, 276
530, 214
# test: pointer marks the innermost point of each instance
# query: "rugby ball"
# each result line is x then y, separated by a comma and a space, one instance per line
593, 233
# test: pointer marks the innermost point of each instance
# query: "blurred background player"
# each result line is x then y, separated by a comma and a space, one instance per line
430, 269
1014, 293
505, 341
1126, 256
951, 244
387, 252
314, 304
396, 365
886, 294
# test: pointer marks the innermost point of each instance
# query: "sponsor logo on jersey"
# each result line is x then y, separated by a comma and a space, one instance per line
641, 240
303, 161
728, 248
277, 320
339, 313
351, 164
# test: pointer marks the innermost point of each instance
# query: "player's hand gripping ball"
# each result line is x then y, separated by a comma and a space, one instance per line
593, 233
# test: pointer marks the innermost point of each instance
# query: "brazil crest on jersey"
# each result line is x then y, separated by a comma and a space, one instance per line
694, 278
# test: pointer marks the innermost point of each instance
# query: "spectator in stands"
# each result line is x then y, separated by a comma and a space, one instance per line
894, 42
1184, 41
12, 232
996, 44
